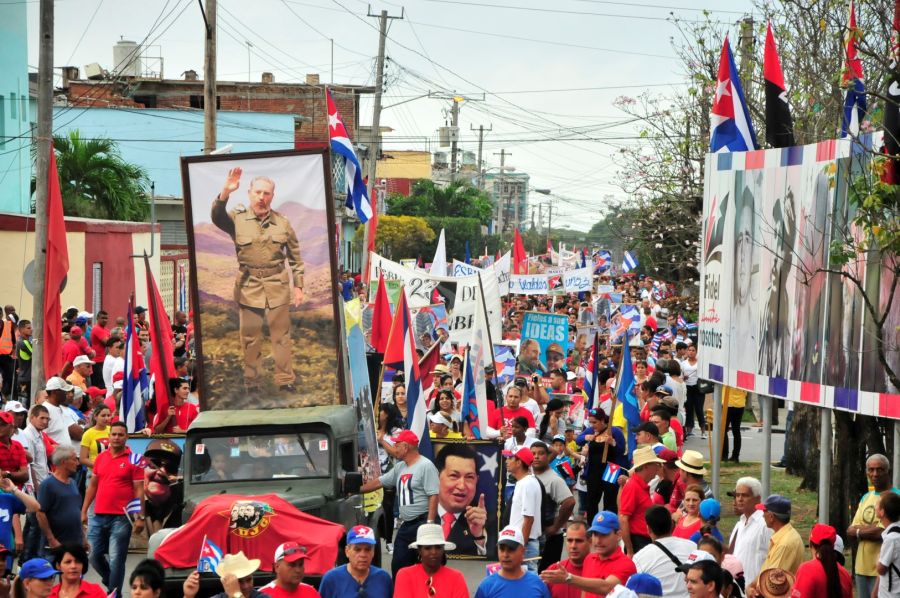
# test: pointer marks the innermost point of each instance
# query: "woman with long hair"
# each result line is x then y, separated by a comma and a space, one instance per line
446, 402
823, 575
553, 422
95, 438
598, 439
399, 396
690, 520
71, 560
390, 423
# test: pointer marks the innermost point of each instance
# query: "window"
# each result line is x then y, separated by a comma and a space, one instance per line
197, 101
261, 457
149, 101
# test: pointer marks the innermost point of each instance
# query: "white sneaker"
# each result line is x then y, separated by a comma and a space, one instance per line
703, 436
390, 548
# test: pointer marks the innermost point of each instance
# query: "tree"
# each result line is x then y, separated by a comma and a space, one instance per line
399, 237
458, 200
97, 183
456, 232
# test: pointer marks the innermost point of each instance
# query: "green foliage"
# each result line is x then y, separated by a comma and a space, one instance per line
456, 232
428, 199
96, 182
399, 237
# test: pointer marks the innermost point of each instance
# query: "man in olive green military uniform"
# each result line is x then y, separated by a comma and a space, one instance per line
263, 240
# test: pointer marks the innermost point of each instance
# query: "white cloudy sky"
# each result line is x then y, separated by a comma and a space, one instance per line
544, 67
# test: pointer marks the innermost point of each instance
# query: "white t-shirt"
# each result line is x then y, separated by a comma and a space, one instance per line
526, 502
889, 555
654, 561
58, 429
689, 372
535, 409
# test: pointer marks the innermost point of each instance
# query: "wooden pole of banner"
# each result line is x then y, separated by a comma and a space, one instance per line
765, 478
488, 324
715, 456
896, 460
825, 438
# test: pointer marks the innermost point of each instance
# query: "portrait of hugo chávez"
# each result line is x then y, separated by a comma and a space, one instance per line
461, 512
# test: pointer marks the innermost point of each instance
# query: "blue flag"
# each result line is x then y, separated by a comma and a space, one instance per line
469, 410
468, 253
626, 396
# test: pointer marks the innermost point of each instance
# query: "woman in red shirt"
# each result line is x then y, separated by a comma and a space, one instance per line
72, 562
823, 575
430, 577
690, 520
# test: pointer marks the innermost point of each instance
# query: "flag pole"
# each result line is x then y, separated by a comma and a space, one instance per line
615, 398
200, 556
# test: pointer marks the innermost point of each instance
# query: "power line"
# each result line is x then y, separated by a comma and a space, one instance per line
565, 12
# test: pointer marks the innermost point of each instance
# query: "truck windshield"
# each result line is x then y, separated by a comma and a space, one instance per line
260, 457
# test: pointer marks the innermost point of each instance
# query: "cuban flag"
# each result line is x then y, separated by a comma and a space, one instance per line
611, 473
138, 460
133, 507
626, 396
469, 411
404, 489
357, 194
136, 382
852, 79
400, 354
210, 556
592, 380
182, 288
504, 364
630, 262
681, 322
732, 130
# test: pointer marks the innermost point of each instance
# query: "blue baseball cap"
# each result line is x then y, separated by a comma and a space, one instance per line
37, 569
360, 534
710, 509
778, 504
606, 522
644, 584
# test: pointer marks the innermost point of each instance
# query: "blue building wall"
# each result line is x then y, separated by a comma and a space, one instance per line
15, 116
156, 139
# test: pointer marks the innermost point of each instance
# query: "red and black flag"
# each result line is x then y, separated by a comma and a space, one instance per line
779, 126
892, 105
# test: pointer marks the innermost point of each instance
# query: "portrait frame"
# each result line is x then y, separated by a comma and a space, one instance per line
319, 306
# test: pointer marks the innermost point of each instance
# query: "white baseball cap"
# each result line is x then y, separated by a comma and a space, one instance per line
57, 383
15, 407
439, 418
511, 535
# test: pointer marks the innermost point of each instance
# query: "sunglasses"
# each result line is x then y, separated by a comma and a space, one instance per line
431, 589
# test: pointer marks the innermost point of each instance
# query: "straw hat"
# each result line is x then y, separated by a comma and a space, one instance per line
431, 534
691, 462
238, 565
643, 456
775, 583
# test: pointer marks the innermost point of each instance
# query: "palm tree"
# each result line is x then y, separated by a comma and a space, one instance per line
96, 182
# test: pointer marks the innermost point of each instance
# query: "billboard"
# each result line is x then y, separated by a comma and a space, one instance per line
775, 316
263, 264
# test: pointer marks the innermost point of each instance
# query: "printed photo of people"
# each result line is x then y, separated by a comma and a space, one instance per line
261, 238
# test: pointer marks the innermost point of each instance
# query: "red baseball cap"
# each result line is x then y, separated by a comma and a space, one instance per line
95, 391
407, 436
6, 417
290, 552
75, 330
524, 455
821, 532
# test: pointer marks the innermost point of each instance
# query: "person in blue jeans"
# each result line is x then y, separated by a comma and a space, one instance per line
116, 484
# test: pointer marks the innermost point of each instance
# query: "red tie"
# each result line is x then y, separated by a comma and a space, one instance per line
447, 522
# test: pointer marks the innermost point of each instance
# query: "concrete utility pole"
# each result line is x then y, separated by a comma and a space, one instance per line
209, 79
481, 131
42, 171
375, 142
501, 200
745, 48
454, 122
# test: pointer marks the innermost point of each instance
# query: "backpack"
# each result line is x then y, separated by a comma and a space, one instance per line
548, 506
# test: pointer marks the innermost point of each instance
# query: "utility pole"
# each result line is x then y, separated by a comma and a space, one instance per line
375, 142
209, 79
549, 219
42, 172
454, 122
745, 47
481, 131
501, 200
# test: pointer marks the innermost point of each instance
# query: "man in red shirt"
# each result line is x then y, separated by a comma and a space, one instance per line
510, 411
13, 462
117, 484
577, 547
290, 558
635, 499
181, 413
75, 346
99, 338
603, 569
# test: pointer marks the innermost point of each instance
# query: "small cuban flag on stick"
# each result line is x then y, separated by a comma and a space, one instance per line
132, 509
210, 556
611, 474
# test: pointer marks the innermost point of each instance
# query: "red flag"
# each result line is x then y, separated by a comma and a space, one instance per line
162, 361
57, 267
779, 126
381, 317
520, 258
549, 247
400, 350
427, 365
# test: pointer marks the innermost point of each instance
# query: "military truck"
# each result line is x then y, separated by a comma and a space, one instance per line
307, 456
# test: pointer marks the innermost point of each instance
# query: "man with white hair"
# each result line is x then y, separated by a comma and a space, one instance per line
749, 540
